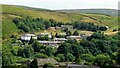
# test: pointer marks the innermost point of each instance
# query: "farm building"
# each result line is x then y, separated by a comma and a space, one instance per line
69, 27
80, 66
42, 61
74, 37
27, 37
50, 43
59, 39
45, 34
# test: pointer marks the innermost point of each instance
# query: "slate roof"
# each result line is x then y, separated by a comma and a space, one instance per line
42, 61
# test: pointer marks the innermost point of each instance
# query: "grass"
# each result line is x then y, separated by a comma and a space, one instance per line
11, 12
58, 16
8, 27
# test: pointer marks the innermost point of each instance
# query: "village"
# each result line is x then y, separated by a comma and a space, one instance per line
59, 34
54, 40
47, 39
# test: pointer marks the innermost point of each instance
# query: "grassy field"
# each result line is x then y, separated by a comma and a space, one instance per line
8, 27
11, 11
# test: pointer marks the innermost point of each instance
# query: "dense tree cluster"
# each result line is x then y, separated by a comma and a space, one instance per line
29, 24
88, 26
98, 49
36, 50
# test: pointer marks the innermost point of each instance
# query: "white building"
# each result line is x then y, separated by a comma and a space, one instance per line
59, 39
27, 37
50, 43
45, 34
74, 37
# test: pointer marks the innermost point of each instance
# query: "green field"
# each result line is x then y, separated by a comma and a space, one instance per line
12, 11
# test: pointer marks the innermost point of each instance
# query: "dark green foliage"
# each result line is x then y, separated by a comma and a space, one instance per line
29, 24
69, 57
62, 57
49, 51
102, 60
98, 49
118, 57
15, 66
34, 64
63, 48
44, 38
102, 28
40, 55
26, 52
47, 24
97, 35
78, 60
32, 41
88, 58
37, 47
76, 33
14, 52
24, 28
68, 33
88, 26
46, 65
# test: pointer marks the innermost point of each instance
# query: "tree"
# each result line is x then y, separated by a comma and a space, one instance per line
87, 57
78, 60
62, 57
68, 33
28, 51
31, 41
36, 46
97, 35
49, 51
76, 33
63, 48
118, 57
24, 27
69, 57
40, 55
47, 24
101, 60
44, 38
102, 28
34, 64
20, 52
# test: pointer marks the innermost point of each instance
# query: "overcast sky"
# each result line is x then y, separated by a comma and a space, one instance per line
65, 4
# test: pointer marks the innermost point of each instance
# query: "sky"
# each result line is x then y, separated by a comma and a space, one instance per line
65, 4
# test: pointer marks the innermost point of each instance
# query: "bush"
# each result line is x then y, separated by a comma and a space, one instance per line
46, 65
57, 59
40, 55
87, 57
61, 56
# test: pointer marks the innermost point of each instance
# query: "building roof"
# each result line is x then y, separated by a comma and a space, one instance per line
42, 61
62, 39
80, 66
50, 42
73, 36
44, 33
66, 26
85, 35
28, 35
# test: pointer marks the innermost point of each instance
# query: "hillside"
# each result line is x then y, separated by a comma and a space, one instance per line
11, 11
111, 12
